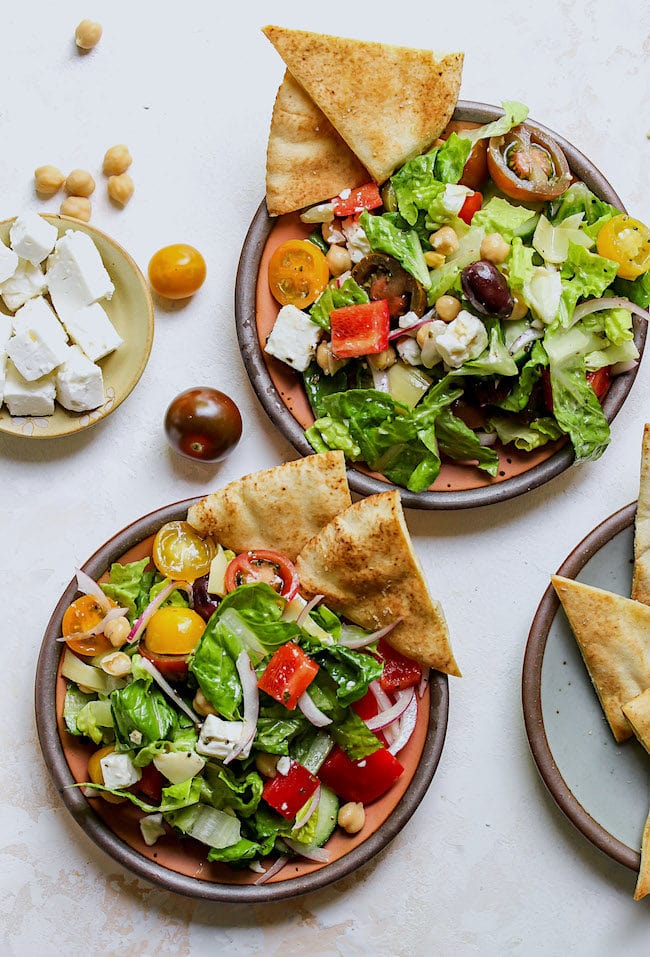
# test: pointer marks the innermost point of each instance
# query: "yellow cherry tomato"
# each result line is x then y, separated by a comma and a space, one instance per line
83, 614
180, 553
627, 242
177, 271
298, 273
174, 630
96, 775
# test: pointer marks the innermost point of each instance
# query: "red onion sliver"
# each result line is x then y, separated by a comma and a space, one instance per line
98, 628
424, 681
318, 854
308, 608
154, 605
315, 801
408, 330
365, 640
613, 302
146, 665
88, 586
384, 718
381, 697
272, 871
621, 367
248, 680
528, 336
406, 726
311, 712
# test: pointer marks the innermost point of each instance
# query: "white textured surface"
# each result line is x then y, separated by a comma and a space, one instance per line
487, 865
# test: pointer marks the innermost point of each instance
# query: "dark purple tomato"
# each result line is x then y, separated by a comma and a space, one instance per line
204, 604
487, 290
203, 424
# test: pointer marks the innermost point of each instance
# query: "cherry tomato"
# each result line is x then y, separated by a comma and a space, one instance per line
528, 164
177, 271
82, 615
471, 205
600, 381
298, 273
152, 782
263, 565
96, 775
475, 171
180, 553
174, 630
627, 242
172, 667
203, 424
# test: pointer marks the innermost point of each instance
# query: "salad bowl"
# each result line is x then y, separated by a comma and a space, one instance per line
281, 392
181, 866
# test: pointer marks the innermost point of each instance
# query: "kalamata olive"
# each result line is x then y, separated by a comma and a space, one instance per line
204, 604
203, 424
487, 289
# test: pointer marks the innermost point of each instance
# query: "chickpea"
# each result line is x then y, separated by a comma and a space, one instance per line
332, 232
79, 183
201, 705
338, 259
76, 206
352, 817
266, 764
88, 34
383, 360
120, 188
326, 358
117, 664
447, 308
444, 241
117, 631
494, 248
117, 160
520, 308
434, 260
48, 180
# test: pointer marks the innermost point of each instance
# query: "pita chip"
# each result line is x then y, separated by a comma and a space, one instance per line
364, 565
280, 508
643, 881
613, 634
637, 712
306, 161
641, 573
388, 103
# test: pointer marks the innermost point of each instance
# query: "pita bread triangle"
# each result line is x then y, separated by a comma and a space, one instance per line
307, 162
613, 634
642, 888
641, 574
388, 103
364, 565
637, 712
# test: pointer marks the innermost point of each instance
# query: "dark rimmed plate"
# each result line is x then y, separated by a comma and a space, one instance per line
280, 390
181, 866
602, 787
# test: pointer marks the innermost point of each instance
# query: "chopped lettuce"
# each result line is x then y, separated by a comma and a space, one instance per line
514, 113
525, 437
129, 585
403, 245
636, 290
447, 276
578, 198
495, 360
584, 275
552, 242
349, 293
500, 216
529, 376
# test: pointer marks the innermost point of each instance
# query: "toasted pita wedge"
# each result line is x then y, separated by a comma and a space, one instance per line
643, 881
306, 160
641, 574
280, 508
364, 565
388, 103
613, 634
637, 712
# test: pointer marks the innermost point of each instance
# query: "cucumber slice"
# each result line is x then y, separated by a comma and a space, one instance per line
326, 816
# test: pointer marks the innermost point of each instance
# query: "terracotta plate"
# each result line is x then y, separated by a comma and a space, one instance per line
601, 786
280, 390
181, 865
131, 312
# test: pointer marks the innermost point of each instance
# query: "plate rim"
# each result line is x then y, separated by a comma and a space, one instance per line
103, 836
541, 752
267, 394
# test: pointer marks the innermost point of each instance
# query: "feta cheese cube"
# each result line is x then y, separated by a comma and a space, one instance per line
294, 338
38, 344
32, 237
75, 274
6, 327
8, 262
218, 737
356, 239
151, 828
92, 331
459, 341
28, 398
119, 771
27, 282
79, 382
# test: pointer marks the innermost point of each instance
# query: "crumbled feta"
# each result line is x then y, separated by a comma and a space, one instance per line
135, 737
79, 382
542, 293
75, 274
179, 766
294, 338
357, 241
151, 828
409, 351
218, 737
92, 331
28, 398
32, 237
6, 327
119, 771
39, 343
453, 198
345, 194
459, 341
8, 262
408, 319
284, 765
27, 282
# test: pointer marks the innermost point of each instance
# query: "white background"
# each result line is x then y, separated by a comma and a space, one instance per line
488, 865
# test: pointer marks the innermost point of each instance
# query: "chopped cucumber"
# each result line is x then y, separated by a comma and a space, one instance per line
326, 816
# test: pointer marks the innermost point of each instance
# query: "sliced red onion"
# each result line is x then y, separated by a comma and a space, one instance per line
406, 726
311, 712
424, 681
610, 302
381, 697
304, 612
486, 438
528, 336
154, 605
272, 871
89, 586
341, 279
98, 628
364, 640
248, 680
385, 718
147, 665
313, 807
380, 379
408, 330
318, 854
620, 367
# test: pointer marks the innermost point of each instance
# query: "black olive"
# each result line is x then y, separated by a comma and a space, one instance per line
203, 603
486, 289
383, 277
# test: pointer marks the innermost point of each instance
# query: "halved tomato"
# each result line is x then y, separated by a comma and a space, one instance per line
298, 273
172, 667
83, 614
174, 630
179, 552
528, 164
263, 565
626, 241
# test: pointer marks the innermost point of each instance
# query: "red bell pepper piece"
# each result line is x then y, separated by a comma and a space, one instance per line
472, 204
363, 780
356, 200
360, 330
288, 675
399, 671
287, 793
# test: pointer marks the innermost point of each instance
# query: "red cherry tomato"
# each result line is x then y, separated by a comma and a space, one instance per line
600, 381
172, 667
475, 172
203, 424
471, 205
263, 565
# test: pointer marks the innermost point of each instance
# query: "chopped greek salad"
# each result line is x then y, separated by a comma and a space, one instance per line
482, 295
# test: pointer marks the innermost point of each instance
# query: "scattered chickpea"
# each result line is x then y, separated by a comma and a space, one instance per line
48, 180
117, 664
117, 160
88, 34
76, 206
338, 260
520, 308
117, 631
201, 704
434, 260
447, 308
326, 359
352, 817
383, 360
444, 241
120, 188
494, 248
79, 183
266, 764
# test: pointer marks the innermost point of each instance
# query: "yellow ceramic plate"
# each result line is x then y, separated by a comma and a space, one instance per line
131, 312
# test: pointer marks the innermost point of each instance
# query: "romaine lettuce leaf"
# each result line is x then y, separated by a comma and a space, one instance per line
451, 158
141, 707
223, 788
584, 275
552, 242
349, 293
578, 198
523, 436
404, 246
513, 114
496, 360
500, 216
129, 585
459, 442
318, 385
529, 376
354, 737
636, 290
